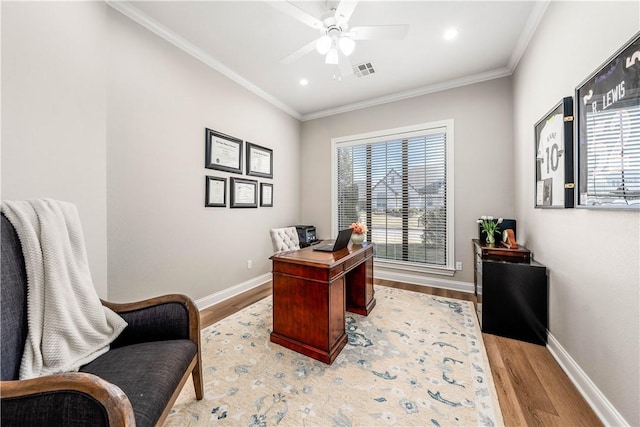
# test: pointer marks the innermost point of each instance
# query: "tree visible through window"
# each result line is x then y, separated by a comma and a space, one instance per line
397, 185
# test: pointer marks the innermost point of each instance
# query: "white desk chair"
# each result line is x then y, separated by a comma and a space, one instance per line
284, 239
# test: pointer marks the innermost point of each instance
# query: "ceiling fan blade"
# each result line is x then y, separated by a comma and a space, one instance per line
345, 10
379, 32
346, 69
309, 47
297, 13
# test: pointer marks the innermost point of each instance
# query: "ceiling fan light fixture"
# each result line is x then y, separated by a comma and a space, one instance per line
324, 44
346, 45
332, 57
450, 34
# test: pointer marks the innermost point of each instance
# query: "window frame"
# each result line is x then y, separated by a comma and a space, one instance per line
399, 133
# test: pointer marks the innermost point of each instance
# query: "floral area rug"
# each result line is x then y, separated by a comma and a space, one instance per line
417, 359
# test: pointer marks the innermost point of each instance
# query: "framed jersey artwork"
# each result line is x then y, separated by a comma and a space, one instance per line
608, 132
554, 157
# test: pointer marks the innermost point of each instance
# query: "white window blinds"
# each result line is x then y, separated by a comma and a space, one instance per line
397, 186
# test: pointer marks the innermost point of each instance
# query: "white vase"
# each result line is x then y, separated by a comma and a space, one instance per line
357, 239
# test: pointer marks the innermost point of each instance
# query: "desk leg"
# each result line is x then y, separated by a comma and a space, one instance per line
360, 298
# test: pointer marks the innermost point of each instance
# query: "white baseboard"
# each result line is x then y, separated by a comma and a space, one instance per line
418, 279
607, 413
225, 294
379, 273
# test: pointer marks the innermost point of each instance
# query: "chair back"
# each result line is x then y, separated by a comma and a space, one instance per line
13, 302
284, 239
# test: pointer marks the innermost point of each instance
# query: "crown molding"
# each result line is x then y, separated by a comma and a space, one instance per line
130, 11
451, 84
127, 9
538, 11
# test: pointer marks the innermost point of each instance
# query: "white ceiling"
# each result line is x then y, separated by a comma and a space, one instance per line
245, 40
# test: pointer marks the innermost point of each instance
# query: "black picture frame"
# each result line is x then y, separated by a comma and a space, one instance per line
554, 185
266, 195
244, 193
222, 152
215, 192
607, 132
259, 161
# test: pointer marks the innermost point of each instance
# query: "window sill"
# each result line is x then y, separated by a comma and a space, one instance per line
404, 266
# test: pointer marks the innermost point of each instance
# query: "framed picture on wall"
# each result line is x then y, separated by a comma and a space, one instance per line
259, 161
608, 132
244, 193
222, 152
216, 192
266, 195
554, 157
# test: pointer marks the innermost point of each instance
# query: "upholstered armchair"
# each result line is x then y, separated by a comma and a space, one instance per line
135, 383
284, 239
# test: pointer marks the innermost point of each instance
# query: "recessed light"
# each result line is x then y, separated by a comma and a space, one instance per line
304, 82
450, 34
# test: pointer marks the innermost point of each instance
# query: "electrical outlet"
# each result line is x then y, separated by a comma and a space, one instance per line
249, 264
458, 265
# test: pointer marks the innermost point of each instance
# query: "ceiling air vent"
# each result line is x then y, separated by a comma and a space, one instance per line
364, 69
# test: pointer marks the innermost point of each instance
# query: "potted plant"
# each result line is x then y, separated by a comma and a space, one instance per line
490, 227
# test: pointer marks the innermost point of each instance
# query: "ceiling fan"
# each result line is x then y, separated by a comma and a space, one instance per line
337, 41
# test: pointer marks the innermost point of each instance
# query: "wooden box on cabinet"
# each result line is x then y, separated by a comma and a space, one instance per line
511, 293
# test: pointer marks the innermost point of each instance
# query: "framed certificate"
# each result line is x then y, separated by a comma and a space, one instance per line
222, 152
266, 195
608, 132
216, 191
554, 157
244, 193
259, 161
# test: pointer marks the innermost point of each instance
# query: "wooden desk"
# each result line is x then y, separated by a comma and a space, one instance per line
311, 291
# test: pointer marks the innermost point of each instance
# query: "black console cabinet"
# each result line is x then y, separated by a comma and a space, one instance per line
511, 293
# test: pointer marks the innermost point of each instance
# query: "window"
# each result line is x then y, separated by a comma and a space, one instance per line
399, 183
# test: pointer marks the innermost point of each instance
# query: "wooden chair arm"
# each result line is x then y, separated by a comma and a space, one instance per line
115, 402
192, 309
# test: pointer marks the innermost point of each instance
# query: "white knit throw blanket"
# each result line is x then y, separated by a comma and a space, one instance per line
67, 325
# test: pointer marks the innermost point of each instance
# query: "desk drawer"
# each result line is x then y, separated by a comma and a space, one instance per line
353, 261
304, 271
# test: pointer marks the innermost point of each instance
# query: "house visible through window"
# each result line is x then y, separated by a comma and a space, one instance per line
398, 183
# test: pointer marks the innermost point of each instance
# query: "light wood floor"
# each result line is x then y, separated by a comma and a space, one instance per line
532, 388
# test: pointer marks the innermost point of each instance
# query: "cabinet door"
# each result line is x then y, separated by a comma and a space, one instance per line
514, 301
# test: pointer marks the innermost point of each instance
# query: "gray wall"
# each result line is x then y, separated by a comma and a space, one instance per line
100, 112
593, 256
161, 237
53, 113
483, 155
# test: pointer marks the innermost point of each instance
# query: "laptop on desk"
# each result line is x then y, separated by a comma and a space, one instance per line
341, 242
